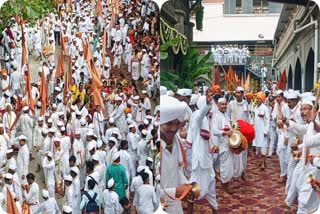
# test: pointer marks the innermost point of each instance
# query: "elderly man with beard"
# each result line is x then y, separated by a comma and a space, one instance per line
281, 110
202, 149
174, 178
307, 198
238, 109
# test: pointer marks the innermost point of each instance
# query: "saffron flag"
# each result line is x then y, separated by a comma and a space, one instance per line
226, 79
99, 8
282, 82
247, 83
96, 80
60, 66
11, 204
242, 81
43, 93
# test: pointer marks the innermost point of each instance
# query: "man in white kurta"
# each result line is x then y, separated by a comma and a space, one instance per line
23, 158
221, 130
119, 117
31, 193
202, 161
261, 125
238, 109
281, 110
299, 130
173, 177
110, 199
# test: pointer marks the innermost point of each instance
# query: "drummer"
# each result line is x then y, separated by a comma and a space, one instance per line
261, 123
238, 109
222, 131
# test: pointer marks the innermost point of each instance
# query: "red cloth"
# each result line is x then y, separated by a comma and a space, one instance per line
247, 130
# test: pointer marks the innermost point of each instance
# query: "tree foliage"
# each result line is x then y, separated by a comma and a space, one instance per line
28, 10
192, 66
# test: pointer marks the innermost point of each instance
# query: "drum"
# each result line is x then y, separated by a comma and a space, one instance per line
237, 142
235, 139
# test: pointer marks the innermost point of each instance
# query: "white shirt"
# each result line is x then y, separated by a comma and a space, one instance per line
147, 199
110, 202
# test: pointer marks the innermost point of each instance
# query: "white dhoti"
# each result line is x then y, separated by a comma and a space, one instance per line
295, 184
206, 179
226, 160
135, 70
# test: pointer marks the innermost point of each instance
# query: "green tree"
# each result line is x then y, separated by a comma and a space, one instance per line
27, 10
192, 66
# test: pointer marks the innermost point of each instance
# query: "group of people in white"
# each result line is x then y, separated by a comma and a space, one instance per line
196, 131
230, 54
94, 157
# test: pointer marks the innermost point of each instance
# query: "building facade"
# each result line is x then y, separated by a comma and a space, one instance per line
297, 45
240, 24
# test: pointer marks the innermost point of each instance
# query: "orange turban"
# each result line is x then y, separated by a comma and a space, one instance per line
261, 96
79, 34
249, 96
3, 71
215, 88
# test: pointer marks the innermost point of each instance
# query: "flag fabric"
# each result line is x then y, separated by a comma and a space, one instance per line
60, 66
242, 81
99, 8
28, 90
282, 82
116, 7
11, 204
112, 17
43, 93
96, 80
217, 80
247, 83
231, 74
226, 78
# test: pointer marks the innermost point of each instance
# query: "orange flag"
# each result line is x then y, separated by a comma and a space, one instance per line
213, 75
112, 17
217, 80
282, 82
43, 93
117, 7
60, 66
70, 4
242, 81
11, 204
28, 90
226, 78
96, 80
247, 83
231, 74
99, 7
85, 49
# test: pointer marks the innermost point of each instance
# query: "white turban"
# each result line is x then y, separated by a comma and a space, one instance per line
171, 109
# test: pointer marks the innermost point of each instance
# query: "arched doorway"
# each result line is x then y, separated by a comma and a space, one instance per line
297, 75
308, 80
290, 77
